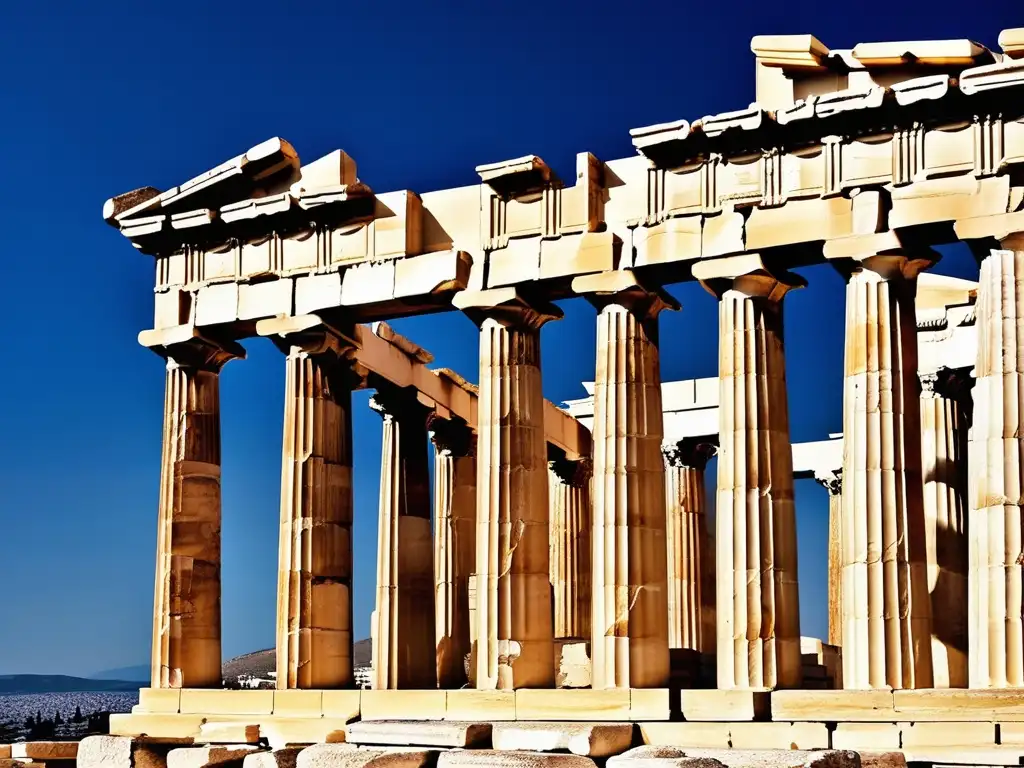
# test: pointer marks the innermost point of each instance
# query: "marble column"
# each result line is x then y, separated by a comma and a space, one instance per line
629, 648
569, 487
758, 600
314, 592
186, 606
945, 416
996, 458
686, 526
403, 652
886, 624
832, 481
514, 633
454, 546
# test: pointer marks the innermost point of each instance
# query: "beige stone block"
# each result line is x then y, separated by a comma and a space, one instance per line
572, 664
866, 736
430, 272
302, 703
707, 735
45, 750
286, 731
224, 702
277, 758
649, 704
590, 739
214, 732
653, 756
569, 704
348, 756
671, 241
164, 726
947, 734
368, 283
317, 292
883, 760
122, 752
5, 751
267, 299
171, 308
400, 705
517, 262
1011, 733
342, 704
412, 733
954, 705
467, 704
217, 304
497, 759
12, 763
854, 706
724, 233
980, 756
204, 757
724, 705
160, 700
578, 255
779, 736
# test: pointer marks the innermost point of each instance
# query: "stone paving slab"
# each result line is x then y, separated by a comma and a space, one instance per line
492, 758
587, 739
663, 757
431, 733
351, 756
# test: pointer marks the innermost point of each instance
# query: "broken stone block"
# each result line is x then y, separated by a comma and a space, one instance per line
5, 751
572, 664
351, 756
45, 750
420, 733
883, 760
664, 757
126, 752
228, 756
649, 756
588, 739
278, 758
516, 759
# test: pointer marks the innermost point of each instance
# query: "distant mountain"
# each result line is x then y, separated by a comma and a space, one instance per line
262, 663
139, 672
61, 684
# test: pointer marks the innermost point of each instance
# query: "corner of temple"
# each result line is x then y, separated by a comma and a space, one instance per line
510, 307
187, 346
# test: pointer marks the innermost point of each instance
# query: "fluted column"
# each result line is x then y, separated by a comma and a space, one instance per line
945, 418
708, 590
686, 526
629, 648
569, 487
758, 601
314, 592
996, 520
187, 598
514, 635
886, 626
403, 651
832, 481
454, 546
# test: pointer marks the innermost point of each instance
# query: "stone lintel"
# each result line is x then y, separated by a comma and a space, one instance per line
747, 274
623, 288
523, 175
803, 52
413, 350
693, 452
1003, 230
1012, 42
508, 306
309, 332
186, 346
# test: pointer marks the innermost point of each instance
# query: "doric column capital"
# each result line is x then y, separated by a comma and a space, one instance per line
689, 452
831, 480
508, 306
574, 472
950, 383
623, 289
885, 255
984, 234
450, 436
398, 403
187, 347
310, 334
745, 274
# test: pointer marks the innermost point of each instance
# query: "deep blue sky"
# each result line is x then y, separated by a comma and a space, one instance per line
101, 100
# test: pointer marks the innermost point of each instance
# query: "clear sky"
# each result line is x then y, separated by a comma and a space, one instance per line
101, 98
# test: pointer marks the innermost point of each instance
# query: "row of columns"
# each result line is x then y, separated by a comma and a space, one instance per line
893, 526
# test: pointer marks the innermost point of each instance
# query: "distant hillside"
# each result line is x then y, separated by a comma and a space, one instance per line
60, 684
262, 663
138, 672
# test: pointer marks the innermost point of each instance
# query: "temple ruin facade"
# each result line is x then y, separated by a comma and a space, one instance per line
553, 540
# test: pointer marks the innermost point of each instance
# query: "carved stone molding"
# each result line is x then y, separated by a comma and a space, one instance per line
689, 452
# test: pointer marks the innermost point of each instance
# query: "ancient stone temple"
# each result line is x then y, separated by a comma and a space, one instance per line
559, 564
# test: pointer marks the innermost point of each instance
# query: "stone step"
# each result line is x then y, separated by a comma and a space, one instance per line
227, 755
351, 756
518, 759
588, 739
447, 733
278, 758
668, 757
